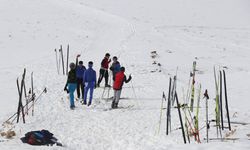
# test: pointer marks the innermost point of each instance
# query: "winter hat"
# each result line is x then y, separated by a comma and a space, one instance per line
72, 66
122, 69
80, 62
90, 64
107, 55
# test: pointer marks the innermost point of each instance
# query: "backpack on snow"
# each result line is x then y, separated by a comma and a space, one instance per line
43, 137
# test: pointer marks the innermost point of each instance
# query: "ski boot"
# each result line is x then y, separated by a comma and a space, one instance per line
106, 85
98, 85
72, 107
113, 105
116, 105
83, 102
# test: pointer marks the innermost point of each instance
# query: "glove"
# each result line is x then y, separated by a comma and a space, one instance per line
65, 89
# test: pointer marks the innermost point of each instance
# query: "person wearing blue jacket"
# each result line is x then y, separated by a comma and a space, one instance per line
89, 81
115, 67
80, 69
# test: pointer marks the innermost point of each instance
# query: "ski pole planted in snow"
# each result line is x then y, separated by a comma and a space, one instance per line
62, 59
57, 63
163, 97
67, 64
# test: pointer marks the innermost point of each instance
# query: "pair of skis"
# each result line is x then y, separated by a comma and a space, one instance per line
195, 119
172, 97
22, 88
170, 101
219, 100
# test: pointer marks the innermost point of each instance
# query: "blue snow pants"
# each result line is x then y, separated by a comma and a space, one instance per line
72, 88
89, 86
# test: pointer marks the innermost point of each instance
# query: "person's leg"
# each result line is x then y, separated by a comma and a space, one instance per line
71, 87
118, 95
106, 75
82, 86
101, 74
86, 93
113, 76
91, 94
78, 88
114, 98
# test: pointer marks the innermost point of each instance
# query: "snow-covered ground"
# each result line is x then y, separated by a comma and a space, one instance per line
212, 32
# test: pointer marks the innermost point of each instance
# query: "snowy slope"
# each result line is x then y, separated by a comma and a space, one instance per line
214, 32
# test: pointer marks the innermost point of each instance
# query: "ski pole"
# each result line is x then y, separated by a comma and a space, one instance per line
57, 61
62, 60
67, 64
109, 83
163, 96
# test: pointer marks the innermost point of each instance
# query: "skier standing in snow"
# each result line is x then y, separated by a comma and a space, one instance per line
79, 74
120, 78
89, 80
104, 70
71, 83
115, 67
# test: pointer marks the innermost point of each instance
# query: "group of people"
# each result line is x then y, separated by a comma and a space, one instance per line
84, 80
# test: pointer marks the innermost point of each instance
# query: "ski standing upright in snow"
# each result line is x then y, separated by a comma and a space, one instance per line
207, 123
226, 100
193, 86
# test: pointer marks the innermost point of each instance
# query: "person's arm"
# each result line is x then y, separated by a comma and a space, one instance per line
95, 77
112, 67
118, 67
84, 78
65, 87
127, 80
77, 59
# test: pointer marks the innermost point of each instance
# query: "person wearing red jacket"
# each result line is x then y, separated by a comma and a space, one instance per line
120, 78
104, 70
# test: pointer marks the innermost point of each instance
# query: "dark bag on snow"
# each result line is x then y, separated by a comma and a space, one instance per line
43, 137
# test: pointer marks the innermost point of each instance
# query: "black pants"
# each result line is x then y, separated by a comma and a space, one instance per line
103, 73
80, 88
114, 73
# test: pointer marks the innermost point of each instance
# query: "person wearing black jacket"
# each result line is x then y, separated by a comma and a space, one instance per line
104, 70
71, 83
